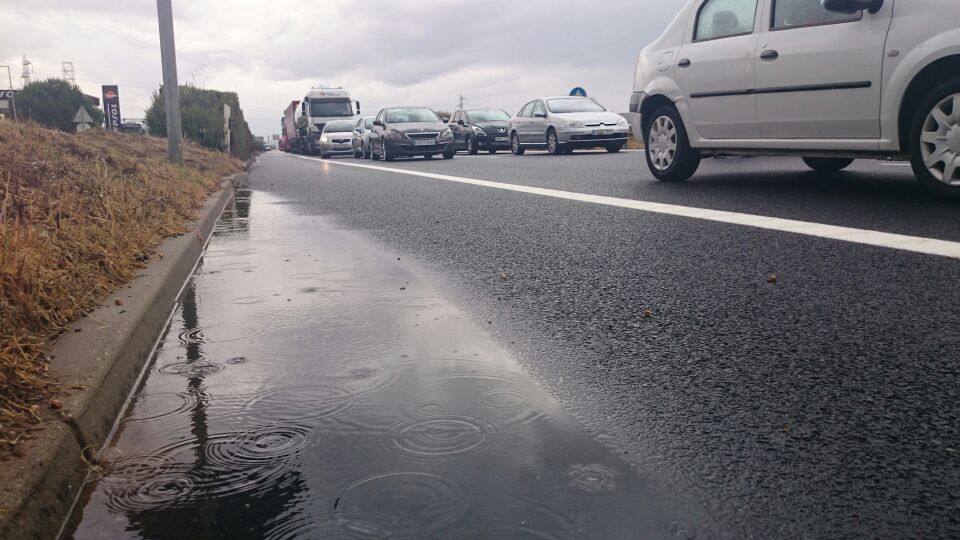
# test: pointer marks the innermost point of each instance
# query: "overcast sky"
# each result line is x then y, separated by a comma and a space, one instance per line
497, 53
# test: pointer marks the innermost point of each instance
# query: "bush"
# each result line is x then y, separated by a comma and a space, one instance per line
54, 103
201, 117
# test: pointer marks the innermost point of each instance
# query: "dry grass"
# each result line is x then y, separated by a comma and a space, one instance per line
634, 144
79, 215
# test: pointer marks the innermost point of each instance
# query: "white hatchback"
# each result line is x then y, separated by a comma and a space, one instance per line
827, 80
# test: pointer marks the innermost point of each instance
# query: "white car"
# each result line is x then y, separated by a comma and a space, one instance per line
564, 123
828, 80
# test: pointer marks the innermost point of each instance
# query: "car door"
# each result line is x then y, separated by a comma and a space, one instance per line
819, 72
521, 121
715, 69
376, 133
537, 124
457, 129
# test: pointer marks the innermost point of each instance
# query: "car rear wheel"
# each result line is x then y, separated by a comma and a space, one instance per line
554, 148
669, 154
827, 165
515, 145
472, 148
450, 153
935, 141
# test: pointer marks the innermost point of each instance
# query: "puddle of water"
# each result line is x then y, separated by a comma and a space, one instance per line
305, 389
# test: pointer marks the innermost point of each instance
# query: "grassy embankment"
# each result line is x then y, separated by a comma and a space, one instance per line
79, 215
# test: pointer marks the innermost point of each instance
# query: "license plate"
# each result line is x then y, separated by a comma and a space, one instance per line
502, 139
423, 142
603, 132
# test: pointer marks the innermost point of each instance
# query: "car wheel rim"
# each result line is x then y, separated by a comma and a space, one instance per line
662, 143
940, 141
515, 144
552, 143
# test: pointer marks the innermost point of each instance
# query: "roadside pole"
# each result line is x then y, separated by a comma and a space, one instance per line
171, 91
13, 99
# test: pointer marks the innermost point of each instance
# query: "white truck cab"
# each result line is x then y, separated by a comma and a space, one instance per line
828, 80
321, 105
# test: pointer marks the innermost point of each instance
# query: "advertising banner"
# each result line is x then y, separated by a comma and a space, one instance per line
111, 107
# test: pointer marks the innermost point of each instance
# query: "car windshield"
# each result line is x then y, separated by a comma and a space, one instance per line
573, 105
399, 116
331, 107
488, 115
368, 123
338, 127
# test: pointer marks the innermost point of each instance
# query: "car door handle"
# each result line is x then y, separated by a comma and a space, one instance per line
769, 55
684, 63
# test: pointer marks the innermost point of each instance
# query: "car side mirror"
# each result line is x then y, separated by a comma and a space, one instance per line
461, 122
378, 123
849, 7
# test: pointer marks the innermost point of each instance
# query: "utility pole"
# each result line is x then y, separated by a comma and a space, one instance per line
462, 100
13, 100
171, 90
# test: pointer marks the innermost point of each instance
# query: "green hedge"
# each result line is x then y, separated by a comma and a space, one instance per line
54, 103
201, 116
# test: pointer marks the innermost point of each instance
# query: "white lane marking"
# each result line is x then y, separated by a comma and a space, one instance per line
917, 244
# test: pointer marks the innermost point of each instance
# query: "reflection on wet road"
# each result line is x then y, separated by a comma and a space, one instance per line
311, 385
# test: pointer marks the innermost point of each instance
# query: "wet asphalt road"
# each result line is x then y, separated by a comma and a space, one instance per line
824, 404
312, 385
365, 353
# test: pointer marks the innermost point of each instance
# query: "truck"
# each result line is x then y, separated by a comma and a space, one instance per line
320, 105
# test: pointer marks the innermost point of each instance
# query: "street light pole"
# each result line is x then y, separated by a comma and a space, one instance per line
171, 91
13, 100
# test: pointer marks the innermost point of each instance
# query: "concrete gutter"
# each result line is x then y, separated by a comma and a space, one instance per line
98, 361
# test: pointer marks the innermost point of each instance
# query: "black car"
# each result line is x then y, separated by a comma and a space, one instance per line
410, 131
481, 129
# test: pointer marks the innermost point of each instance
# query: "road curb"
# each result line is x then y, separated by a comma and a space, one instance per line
98, 361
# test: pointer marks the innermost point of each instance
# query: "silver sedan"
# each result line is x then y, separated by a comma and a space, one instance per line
337, 138
563, 124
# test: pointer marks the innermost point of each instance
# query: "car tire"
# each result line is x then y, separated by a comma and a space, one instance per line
568, 150
614, 147
671, 136
387, 156
491, 150
472, 146
554, 148
428, 156
932, 138
324, 156
450, 154
827, 165
515, 145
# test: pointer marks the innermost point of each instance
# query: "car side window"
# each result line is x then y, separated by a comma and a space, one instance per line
789, 14
527, 110
539, 108
466, 118
725, 18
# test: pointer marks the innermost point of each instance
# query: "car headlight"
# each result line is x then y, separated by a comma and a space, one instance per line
323, 138
446, 134
576, 124
394, 134
479, 131
623, 122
